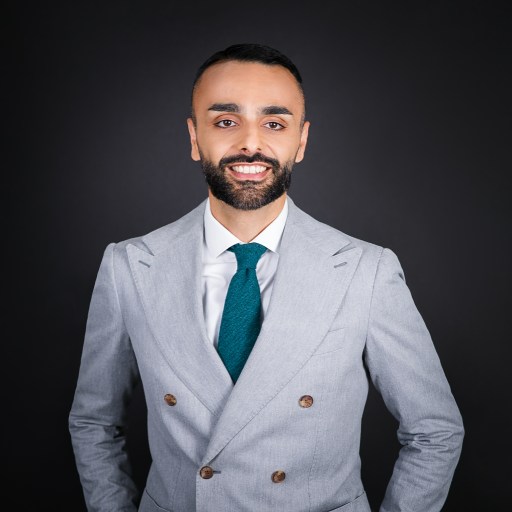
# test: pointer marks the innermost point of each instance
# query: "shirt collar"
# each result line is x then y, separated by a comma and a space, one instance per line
218, 239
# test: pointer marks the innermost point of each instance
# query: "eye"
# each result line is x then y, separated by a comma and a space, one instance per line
225, 123
274, 125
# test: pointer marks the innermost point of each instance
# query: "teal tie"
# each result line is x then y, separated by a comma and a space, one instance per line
240, 324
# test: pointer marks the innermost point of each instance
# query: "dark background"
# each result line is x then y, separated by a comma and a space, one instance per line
409, 148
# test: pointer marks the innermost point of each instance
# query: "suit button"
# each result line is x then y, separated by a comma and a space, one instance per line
306, 401
206, 472
170, 399
278, 476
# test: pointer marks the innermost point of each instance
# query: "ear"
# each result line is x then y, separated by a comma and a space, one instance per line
193, 140
303, 142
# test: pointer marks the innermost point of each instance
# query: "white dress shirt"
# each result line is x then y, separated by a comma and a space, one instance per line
219, 265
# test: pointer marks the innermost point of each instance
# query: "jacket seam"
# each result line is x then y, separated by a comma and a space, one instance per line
115, 288
373, 292
176, 482
315, 451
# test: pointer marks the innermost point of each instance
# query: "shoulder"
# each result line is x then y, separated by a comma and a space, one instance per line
162, 237
330, 238
377, 264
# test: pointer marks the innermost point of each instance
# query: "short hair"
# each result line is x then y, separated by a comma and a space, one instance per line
249, 52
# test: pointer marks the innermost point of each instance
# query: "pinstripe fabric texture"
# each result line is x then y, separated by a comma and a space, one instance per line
241, 317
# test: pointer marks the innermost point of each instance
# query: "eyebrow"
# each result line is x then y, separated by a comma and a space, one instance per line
266, 111
273, 110
225, 107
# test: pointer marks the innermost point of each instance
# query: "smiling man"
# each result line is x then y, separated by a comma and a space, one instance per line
255, 331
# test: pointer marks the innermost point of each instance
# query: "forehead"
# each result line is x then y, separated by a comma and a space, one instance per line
247, 83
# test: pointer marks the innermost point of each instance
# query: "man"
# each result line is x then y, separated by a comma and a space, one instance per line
254, 329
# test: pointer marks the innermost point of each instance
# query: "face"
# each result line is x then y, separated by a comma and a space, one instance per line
248, 131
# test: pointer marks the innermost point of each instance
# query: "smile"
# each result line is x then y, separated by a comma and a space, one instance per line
249, 171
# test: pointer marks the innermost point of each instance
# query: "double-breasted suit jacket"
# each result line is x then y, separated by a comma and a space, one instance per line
286, 437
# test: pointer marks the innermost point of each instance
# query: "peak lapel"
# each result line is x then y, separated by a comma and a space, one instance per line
316, 265
168, 281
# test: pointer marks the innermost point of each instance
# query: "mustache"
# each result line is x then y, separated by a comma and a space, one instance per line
257, 157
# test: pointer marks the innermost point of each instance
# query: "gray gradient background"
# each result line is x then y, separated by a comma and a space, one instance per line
409, 148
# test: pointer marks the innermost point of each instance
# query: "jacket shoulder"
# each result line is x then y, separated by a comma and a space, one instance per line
159, 238
332, 238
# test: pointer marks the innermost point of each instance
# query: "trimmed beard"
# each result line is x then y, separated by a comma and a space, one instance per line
247, 194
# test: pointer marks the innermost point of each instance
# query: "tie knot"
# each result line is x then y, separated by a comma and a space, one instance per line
247, 255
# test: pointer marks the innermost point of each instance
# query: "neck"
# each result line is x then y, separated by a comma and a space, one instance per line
245, 224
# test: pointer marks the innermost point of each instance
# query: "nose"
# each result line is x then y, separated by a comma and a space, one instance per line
250, 141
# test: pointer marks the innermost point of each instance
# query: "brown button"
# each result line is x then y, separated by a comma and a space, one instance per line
206, 472
278, 476
170, 399
306, 401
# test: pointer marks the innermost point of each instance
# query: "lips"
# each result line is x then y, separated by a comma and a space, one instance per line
249, 171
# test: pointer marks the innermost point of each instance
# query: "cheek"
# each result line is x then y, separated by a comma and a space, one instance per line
212, 146
216, 140
285, 148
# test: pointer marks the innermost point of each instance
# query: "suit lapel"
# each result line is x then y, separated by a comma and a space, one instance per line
316, 265
168, 280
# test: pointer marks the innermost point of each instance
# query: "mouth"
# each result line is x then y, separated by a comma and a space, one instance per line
255, 172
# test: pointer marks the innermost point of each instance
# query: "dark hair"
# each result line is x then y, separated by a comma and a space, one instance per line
249, 52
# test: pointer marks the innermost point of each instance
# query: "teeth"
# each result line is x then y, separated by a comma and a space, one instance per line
249, 169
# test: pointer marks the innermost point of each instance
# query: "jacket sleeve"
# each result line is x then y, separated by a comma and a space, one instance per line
107, 377
406, 370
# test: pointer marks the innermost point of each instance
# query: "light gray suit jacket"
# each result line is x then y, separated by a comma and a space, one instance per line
340, 314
